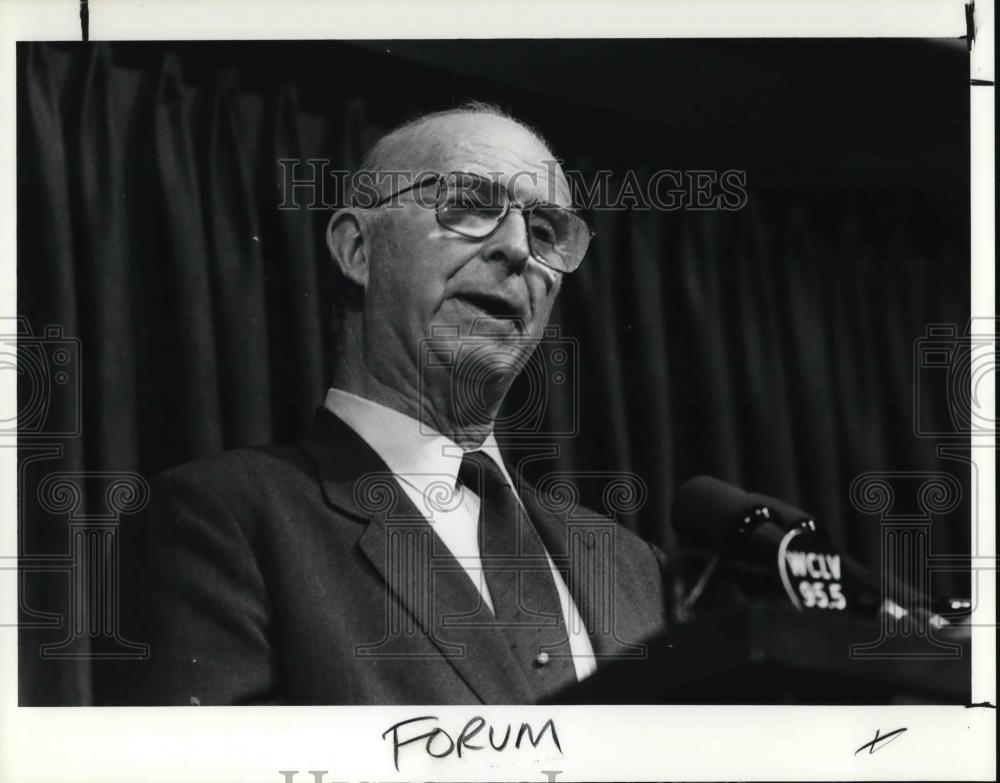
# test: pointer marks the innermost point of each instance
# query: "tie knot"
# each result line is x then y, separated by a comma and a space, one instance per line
481, 473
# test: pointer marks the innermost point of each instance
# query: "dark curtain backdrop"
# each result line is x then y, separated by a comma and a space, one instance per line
771, 347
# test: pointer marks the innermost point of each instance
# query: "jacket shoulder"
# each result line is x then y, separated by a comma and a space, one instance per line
252, 489
239, 471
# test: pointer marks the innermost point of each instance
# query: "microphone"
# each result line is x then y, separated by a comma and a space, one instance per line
708, 510
714, 513
725, 518
721, 516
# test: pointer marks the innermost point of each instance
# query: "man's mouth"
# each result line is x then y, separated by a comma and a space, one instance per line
492, 305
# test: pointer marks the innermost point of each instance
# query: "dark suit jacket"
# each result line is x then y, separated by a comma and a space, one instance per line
299, 575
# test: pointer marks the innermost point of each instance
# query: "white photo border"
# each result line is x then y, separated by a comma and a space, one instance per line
599, 743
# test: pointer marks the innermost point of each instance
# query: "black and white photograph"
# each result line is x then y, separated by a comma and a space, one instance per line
491, 383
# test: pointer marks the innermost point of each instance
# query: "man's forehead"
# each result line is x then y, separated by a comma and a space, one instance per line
530, 177
497, 147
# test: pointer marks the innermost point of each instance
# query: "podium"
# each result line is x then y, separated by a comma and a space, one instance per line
772, 654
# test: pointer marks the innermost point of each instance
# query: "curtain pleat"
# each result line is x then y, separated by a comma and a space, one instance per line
297, 305
107, 269
805, 360
237, 274
598, 285
771, 347
186, 327
649, 389
47, 297
706, 389
763, 384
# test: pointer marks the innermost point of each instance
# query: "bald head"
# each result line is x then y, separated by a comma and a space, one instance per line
438, 141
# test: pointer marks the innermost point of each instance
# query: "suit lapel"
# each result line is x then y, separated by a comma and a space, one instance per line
419, 570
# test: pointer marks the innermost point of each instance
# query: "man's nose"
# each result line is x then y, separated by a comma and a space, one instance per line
509, 243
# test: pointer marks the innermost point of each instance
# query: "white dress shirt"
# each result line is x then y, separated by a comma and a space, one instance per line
424, 462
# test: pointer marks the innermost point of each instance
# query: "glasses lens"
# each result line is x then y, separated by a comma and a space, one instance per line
474, 206
558, 237
471, 205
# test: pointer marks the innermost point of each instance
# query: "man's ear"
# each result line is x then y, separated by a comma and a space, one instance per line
347, 246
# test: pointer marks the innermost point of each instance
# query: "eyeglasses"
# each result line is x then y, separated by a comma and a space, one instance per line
475, 206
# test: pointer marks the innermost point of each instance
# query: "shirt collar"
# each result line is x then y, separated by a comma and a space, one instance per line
413, 451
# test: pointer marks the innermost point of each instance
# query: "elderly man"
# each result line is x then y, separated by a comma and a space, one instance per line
393, 556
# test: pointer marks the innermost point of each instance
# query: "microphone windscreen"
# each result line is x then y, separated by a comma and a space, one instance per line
706, 509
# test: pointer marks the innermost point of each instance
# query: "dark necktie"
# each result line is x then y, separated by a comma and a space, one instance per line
525, 601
